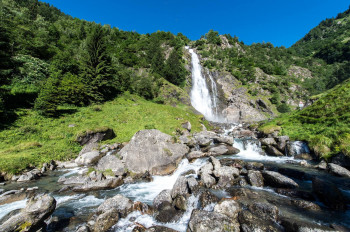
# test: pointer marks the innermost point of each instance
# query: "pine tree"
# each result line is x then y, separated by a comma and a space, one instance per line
174, 71
97, 71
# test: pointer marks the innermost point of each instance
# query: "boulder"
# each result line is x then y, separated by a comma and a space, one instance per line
111, 162
32, 217
159, 229
122, 204
329, 194
304, 156
255, 178
268, 141
206, 198
180, 187
223, 150
106, 220
243, 134
169, 214
88, 159
12, 196
322, 165
341, 159
228, 207
308, 205
192, 184
228, 140
338, 170
152, 151
28, 176
95, 136
99, 185
203, 221
163, 196
272, 151
180, 203
74, 180
282, 142
250, 222
195, 155
275, 179
264, 210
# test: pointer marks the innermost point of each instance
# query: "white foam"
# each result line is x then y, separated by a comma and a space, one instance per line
7, 208
147, 191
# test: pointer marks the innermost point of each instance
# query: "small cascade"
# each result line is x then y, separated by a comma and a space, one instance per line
201, 98
299, 147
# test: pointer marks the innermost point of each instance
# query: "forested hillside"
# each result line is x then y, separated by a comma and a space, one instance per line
49, 59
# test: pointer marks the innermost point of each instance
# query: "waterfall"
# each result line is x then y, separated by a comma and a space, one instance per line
201, 99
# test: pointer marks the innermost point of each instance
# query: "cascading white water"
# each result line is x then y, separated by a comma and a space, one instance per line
201, 99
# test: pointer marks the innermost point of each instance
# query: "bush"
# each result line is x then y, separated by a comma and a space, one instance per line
283, 108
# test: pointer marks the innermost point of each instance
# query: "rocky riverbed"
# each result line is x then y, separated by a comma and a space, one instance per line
230, 179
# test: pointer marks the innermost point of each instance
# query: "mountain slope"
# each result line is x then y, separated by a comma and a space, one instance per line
325, 124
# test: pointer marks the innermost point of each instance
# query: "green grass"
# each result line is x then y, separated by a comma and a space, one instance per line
34, 139
325, 124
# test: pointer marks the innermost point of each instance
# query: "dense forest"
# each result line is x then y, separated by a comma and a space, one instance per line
49, 59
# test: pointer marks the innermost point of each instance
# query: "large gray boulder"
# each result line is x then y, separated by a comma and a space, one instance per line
275, 179
180, 187
32, 217
195, 155
228, 207
119, 202
224, 139
111, 162
203, 221
163, 197
88, 159
268, 141
223, 149
272, 151
152, 151
338, 170
99, 185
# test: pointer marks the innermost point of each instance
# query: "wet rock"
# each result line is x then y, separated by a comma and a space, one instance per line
205, 175
228, 207
83, 229
264, 210
203, 221
329, 194
188, 140
206, 198
204, 138
275, 179
122, 204
251, 223
282, 142
305, 204
32, 217
254, 166
193, 185
293, 224
28, 176
228, 140
293, 193
268, 141
195, 155
180, 203
106, 220
88, 159
272, 151
169, 215
152, 151
243, 134
99, 185
255, 178
111, 162
322, 165
223, 150
180, 187
12, 196
66, 164
187, 125
294, 173
338, 170
163, 196
304, 156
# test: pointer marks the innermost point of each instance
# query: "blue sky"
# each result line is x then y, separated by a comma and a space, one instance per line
281, 22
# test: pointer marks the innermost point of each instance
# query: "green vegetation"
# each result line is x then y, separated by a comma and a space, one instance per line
325, 124
34, 139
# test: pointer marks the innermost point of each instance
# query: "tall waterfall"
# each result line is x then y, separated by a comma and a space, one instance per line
201, 98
